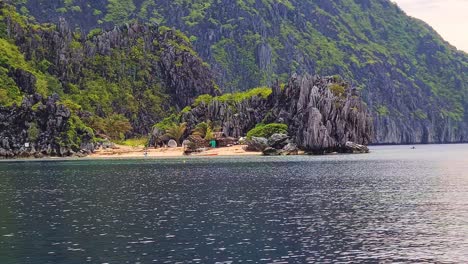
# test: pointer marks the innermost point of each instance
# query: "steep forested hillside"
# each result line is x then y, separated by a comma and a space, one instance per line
415, 83
134, 73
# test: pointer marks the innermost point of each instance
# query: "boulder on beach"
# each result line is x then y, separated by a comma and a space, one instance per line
172, 143
257, 144
271, 152
290, 149
278, 141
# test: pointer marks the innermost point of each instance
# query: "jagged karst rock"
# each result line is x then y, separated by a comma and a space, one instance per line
321, 120
169, 62
322, 113
235, 117
403, 72
36, 128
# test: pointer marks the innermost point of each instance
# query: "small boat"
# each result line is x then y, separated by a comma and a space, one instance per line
207, 155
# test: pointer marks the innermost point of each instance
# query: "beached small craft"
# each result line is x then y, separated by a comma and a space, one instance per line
207, 154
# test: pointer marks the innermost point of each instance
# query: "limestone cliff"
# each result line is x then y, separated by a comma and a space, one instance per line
138, 70
414, 82
322, 113
41, 127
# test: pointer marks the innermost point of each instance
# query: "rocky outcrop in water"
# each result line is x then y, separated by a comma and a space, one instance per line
276, 145
351, 147
322, 113
40, 127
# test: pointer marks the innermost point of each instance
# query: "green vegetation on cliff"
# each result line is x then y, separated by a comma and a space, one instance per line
266, 131
236, 97
116, 82
397, 61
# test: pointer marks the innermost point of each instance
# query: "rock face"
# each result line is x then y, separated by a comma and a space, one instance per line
154, 68
184, 74
235, 117
322, 113
415, 83
39, 127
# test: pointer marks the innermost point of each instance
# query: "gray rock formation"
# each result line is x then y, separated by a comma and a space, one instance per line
38, 127
236, 118
277, 144
322, 113
257, 144
278, 141
170, 63
354, 148
290, 149
271, 152
402, 65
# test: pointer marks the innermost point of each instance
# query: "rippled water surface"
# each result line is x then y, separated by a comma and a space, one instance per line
395, 205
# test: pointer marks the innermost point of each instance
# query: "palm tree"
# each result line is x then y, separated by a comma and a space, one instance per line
206, 130
201, 129
176, 132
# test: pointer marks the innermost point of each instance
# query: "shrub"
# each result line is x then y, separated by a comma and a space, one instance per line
33, 132
262, 92
94, 32
338, 90
204, 98
116, 126
267, 131
382, 110
168, 122
135, 142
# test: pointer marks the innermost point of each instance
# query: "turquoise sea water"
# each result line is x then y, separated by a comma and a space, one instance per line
394, 205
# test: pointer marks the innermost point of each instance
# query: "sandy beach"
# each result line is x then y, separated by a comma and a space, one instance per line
134, 152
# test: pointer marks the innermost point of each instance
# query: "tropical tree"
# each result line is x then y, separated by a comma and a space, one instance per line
176, 131
116, 126
206, 130
97, 123
119, 11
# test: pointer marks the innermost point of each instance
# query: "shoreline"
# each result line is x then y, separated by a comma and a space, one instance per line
126, 152
139, 152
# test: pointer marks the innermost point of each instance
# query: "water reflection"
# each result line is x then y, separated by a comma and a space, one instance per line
386, 206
